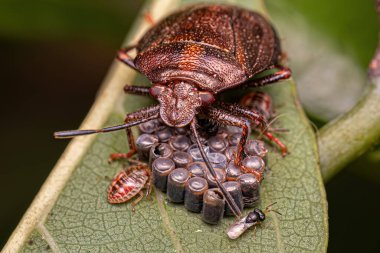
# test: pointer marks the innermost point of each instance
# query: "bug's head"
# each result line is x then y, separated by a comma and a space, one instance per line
260, 214
180, 102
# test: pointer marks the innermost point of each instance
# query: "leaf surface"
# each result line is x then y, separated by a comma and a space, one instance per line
79, 219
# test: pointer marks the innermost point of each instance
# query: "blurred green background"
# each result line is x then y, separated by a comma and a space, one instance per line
54, 55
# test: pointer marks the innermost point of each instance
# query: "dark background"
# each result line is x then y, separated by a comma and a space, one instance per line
53, 57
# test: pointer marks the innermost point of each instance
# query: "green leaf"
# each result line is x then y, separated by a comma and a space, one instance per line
71, 213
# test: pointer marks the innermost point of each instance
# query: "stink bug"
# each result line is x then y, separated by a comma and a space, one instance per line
128, 183
190, 57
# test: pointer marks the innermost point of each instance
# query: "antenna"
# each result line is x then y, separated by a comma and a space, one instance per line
230, 201
267, 209
73, 133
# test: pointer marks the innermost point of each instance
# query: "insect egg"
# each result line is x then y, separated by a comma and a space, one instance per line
181, 130
217, 144
234, 139
232, 171
160, 150
149, 126
181, 159
144, 142
180, 142
197, 169
195, 152
250, 189
255, 163
234, 189
195, 188
217, 160
161, 168
230, 152
176, 185
255, 147
164, 134
213, 206
220, 175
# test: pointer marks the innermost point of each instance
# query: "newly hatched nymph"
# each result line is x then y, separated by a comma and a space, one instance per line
128, 183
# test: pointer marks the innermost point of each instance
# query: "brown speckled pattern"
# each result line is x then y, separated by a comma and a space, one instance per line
214, 46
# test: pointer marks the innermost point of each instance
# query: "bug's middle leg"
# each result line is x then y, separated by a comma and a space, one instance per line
255, 118
227, 118
138, 117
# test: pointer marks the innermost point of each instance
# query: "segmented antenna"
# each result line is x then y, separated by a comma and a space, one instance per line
73, 133
267, 209
230, 201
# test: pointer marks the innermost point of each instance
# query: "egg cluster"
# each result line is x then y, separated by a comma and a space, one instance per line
179, 169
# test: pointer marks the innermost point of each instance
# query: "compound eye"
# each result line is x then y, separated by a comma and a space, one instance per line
206, 97
156, 90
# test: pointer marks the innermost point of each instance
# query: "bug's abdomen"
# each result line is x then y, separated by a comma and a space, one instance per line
125, 186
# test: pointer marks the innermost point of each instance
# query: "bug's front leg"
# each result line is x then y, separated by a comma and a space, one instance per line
137, 90
226, 118
138, 117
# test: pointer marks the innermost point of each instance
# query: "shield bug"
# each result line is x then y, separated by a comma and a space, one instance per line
190, 57
128, 183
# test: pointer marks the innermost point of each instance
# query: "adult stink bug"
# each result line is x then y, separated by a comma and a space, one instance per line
190, 57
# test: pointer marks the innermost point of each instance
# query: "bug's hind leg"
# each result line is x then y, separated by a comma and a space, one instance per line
283, 73
226, 118
138, 117
257, 119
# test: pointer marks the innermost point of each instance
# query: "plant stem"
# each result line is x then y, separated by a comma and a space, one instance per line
348, 137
